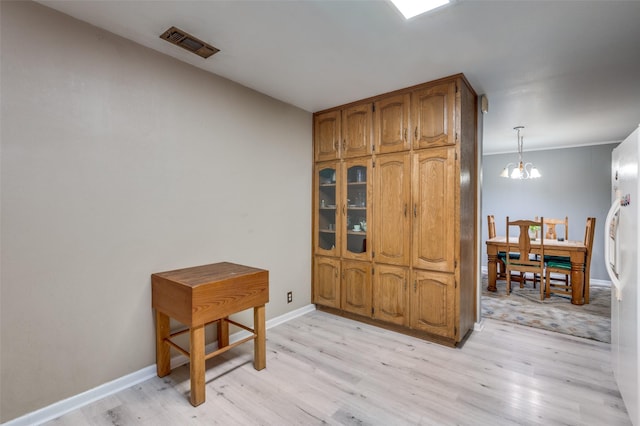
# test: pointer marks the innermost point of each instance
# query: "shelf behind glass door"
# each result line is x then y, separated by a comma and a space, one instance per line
327, 209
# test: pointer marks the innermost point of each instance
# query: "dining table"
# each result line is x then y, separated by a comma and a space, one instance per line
576, 251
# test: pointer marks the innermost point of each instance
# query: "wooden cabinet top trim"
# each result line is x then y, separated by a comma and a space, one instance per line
399, 91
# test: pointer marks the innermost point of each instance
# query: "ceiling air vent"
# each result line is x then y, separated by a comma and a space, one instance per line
189, 42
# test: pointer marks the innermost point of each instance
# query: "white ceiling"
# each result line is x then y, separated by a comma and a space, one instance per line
566, 70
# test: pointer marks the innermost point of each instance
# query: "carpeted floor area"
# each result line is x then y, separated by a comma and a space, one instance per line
524, 307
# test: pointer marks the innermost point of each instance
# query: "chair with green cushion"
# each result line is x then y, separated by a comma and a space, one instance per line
527, 261
500, 272
491, 231
551, 232
561, 265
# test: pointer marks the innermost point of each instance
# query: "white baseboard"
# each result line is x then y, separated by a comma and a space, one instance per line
601, 283
80, 400
478, 326
65, 406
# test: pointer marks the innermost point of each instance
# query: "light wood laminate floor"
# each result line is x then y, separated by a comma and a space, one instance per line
323, 369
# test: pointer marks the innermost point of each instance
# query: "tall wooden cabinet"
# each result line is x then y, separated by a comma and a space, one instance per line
356, 287
326, 136
394, 210
392, 222
434, 193
356, 130
391, 294
392, 123
433, 115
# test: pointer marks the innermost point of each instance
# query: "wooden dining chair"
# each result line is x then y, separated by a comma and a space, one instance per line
563, 266
491, 231
551, 233
527, 260
500, 266
550, 226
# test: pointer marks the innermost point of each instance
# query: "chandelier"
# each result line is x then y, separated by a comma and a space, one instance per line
520, 170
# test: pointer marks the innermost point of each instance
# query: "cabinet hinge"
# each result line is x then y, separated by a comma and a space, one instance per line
373, 271
455, 331
372, 311
455, 283
456, 156
456, 87
374, 164
374, 107
456, 136
455, 263
373, 148
373, 254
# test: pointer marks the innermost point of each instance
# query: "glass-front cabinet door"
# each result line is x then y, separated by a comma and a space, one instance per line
356, 211
327, 201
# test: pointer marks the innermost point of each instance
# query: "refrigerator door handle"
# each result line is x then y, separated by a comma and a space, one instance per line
615, 208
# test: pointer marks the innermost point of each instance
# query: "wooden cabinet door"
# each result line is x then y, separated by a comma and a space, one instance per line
356, 287
434, 209
392, 200
356, 219
326, 281
327, 204
391, 124
326, 135
433, 303
432, 116
390, 294
357, 125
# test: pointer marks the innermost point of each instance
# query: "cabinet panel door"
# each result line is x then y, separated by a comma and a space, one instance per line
356, 287
433, 303
327, 221
392, 230
390, 294
434, 209
391, 124
326, 281
356, 196
356, 130
326, 136
433, 111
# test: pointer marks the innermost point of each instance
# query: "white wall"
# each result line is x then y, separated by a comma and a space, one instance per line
576, 182
118, 162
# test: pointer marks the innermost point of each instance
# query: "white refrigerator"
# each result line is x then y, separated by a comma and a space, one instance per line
622, 234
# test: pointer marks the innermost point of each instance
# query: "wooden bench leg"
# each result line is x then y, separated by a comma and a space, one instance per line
223, 333
163, 358
196, 355
260, 343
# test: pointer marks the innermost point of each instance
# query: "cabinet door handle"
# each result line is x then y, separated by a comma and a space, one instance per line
415, 210
405, 209
344, 145
335, 145
344, 211
405, 135
416, 133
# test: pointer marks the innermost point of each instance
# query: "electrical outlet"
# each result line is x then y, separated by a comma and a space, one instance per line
290, 297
